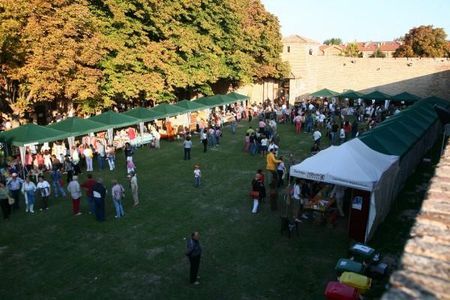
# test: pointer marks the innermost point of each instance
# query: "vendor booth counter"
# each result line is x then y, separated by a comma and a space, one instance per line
369, 175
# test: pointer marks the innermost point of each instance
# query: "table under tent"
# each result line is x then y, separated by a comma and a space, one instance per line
376, 165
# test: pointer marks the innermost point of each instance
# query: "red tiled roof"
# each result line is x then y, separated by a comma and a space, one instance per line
363, 47
389, 46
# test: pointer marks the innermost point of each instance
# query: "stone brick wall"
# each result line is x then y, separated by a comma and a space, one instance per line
425, 267
423, 77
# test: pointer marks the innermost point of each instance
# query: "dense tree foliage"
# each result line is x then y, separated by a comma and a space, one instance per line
423, 41
351, 50
333, 41
101, 52
378, 53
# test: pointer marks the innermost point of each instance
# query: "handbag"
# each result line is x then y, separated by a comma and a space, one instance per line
11, 200
254, 194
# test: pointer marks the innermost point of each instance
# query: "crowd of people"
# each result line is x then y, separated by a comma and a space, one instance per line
44, 169
42, 177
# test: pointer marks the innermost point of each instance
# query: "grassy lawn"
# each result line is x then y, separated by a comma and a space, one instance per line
54, 255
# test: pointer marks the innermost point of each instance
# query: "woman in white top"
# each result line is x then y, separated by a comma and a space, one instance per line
29, 190
264, 144
281, 170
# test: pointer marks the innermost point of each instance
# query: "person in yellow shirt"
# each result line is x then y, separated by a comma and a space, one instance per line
271, 166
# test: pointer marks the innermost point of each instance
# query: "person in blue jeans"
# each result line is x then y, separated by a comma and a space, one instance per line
99, 194
56, 182
117, 192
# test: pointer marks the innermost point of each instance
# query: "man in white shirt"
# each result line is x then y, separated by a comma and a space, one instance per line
296, 197
44, 189
75, 192
316, 137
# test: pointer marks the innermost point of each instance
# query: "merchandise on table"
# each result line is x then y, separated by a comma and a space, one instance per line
348, 265
362, 252
377, 271
338, 291
360, 282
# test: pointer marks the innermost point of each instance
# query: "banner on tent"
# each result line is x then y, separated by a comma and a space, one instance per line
308, 175
331, 179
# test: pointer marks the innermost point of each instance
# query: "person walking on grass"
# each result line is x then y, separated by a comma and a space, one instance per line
111, 157
271, 166
29, 190
134, 187
44, 188
187, 145
117, 192
4, 202
257, 192
298, 202
281, 171
57, 183
74, 190
194, 253
197, 175
88, 185
14, 185
99, 194
204, 140
88, 156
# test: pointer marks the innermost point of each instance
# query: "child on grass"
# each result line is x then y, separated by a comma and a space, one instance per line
197, 175
131, 168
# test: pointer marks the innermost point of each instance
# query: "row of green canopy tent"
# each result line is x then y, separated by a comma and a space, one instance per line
377, 163
107, 121
375, 95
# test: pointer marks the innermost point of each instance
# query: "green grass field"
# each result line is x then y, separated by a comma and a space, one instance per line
54, 255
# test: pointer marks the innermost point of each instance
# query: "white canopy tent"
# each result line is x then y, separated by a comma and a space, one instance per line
355, 165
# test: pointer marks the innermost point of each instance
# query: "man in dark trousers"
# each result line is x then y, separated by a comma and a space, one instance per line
99, 194
194, 252
88, 185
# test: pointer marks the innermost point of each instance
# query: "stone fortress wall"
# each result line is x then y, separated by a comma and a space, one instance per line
423, 77
311, 71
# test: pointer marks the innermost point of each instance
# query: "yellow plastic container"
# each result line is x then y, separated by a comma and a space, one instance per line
360, 282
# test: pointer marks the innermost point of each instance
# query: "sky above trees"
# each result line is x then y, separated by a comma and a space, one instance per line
357, 20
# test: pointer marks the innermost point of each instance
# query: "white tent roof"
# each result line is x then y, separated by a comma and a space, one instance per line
352, 164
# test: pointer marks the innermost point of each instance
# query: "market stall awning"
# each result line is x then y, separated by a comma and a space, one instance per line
390, 137
142, 114
377, 96
405, 96
165, 110
358, 166
351, 94
77, 126
216, 100
114, 120
189, 106
31, 134
324, 93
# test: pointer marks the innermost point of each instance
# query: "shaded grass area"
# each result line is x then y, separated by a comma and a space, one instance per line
54, 255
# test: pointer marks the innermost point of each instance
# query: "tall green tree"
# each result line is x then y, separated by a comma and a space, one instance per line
423, 41
55, 51
351, 50
378, 53
333, 41
102, 52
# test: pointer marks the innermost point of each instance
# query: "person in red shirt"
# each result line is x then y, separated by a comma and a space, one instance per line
347, 130
131, 132
88, 185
